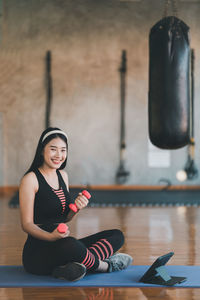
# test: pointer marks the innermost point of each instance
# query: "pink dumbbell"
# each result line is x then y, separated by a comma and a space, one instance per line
62, 228
73, 206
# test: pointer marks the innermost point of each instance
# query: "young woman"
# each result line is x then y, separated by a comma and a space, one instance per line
44, 203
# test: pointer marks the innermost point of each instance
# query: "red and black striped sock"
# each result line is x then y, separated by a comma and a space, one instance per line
103, 249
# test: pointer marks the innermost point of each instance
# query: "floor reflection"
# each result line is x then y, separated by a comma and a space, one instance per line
157, 293
79, 293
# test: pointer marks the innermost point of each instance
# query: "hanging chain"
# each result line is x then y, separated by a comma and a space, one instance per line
174, 8
166, 8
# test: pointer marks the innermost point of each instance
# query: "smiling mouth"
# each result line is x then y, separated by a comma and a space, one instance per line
56, 161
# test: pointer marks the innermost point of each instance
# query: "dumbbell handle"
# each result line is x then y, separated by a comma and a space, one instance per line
73, 206
62, 228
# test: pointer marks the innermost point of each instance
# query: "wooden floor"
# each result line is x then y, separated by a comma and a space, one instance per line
150, 232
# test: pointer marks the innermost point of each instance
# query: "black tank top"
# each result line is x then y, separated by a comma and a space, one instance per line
49, 207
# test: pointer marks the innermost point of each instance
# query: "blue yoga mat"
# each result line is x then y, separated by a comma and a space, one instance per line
15, 276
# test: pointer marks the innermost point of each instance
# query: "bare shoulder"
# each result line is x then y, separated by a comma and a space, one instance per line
65, 177
30, 181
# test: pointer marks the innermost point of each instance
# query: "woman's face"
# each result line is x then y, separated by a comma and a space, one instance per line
55, 153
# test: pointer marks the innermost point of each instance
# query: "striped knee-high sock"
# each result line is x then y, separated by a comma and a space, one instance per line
103, 249
89, 261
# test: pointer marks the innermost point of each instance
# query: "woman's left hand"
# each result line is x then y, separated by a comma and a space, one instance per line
81, 201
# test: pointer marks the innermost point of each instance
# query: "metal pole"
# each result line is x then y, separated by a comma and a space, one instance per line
48, 88
122, 174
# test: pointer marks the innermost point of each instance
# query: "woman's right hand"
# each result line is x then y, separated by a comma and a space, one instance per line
55, 235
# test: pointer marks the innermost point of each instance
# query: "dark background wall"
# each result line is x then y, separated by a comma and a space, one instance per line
86, 39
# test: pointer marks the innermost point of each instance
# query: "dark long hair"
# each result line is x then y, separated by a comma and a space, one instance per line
39, 159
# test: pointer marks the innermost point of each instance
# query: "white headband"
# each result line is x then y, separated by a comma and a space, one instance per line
52, 132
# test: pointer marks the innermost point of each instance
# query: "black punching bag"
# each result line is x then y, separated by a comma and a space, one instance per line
169, 84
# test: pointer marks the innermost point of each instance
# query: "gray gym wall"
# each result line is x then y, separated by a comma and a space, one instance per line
86, 38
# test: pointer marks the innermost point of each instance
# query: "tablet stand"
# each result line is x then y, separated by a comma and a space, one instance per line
157, 273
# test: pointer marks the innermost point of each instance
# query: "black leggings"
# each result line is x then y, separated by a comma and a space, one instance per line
41, 257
